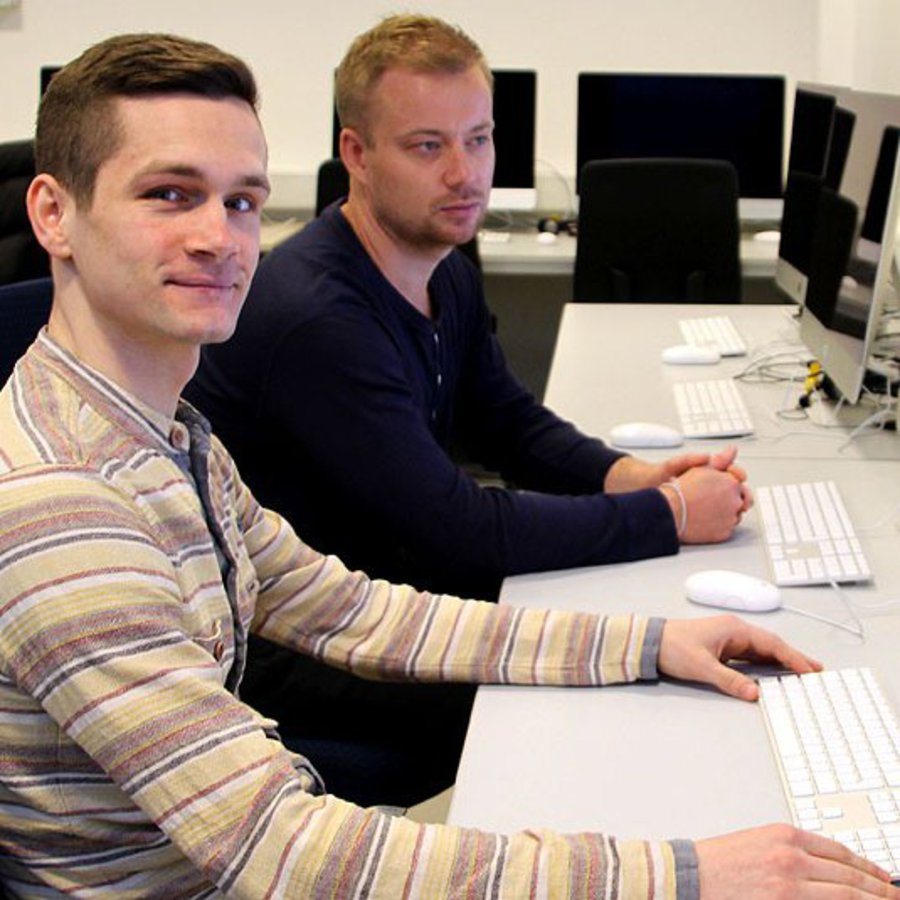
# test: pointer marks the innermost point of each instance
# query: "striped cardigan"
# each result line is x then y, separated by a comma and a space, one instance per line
133, 563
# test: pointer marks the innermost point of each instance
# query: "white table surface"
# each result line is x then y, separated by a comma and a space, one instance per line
607, 369
663, 760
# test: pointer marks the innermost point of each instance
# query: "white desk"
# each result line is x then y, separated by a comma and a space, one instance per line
667, 760
523, 254
607, 369
671, 760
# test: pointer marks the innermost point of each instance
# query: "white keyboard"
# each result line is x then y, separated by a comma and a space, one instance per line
711, 409
837, 743
808, 534
717, 330
494, 237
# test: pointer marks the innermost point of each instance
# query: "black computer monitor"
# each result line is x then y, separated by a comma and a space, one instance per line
47, 72
739, 118
851, 270
811, 131
812, 126
515, 115
839, 147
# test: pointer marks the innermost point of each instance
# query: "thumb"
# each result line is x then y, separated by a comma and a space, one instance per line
735, 684
723, 459
676, 466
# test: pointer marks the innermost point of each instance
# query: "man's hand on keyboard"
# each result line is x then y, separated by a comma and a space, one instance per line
697, 650
780, 861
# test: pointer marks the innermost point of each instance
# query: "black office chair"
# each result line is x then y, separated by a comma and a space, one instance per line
333, 182
21, 256
658, 231
24, 309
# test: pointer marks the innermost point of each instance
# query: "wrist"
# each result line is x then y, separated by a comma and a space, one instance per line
671, 490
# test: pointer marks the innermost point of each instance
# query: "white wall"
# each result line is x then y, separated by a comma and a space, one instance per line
294, 45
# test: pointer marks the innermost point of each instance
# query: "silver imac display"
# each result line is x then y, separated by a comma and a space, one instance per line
515, 113
850, 279
821, 132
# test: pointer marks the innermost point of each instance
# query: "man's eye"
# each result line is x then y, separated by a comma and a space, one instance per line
169, 194
243, 204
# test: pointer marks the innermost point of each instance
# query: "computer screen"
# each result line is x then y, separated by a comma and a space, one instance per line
739, 118
47, 72
851, 271
839, 147
811, 132
515, 114
515, 111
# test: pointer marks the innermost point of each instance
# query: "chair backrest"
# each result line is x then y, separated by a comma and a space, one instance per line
24, 308
658, 231
332, 183
21, 256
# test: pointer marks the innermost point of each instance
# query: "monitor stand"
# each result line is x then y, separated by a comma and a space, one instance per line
760, 209
512, 199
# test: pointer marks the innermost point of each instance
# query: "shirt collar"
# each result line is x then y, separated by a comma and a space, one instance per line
129, 411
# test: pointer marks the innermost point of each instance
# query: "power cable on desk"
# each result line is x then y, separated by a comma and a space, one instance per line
570, 211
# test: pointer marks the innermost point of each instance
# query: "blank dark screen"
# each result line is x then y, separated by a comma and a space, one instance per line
47, 72
515, 95
810, 132
739, 118
880, 191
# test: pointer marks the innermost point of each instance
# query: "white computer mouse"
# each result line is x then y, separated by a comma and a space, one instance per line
691, 355
767, 237
732, 590
546, 237
634, 435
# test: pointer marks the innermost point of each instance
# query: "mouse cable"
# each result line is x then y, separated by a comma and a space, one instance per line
857, 631
884, 520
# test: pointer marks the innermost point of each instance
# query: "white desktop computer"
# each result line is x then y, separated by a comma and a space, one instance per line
851, 275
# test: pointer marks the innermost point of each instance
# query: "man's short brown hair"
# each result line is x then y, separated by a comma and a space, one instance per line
418, 43
77, 128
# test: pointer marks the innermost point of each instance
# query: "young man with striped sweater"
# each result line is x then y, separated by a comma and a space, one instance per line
135, 562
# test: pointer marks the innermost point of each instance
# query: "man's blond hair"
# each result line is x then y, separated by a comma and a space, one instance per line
414, 42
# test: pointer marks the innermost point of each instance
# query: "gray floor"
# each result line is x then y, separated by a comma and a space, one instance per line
528, 310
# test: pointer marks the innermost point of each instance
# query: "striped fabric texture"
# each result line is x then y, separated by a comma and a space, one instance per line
133, 563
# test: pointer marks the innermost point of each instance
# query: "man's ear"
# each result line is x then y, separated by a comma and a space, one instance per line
353, 153
50, 207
